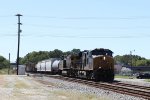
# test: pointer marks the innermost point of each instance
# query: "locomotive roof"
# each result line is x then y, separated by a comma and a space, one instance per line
102, 50
99, 49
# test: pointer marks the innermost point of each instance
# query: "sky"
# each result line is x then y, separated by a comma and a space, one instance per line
119, 25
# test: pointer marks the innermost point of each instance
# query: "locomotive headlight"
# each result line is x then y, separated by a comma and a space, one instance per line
104, 58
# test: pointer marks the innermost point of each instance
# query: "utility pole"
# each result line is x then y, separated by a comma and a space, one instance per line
19, 31
9, 64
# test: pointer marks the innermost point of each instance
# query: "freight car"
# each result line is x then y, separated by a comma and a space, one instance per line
97, 64
48, 66
30, 67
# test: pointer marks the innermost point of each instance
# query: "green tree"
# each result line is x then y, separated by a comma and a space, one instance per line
76, 51
3, 62
55, 54
133, 60
34, 57
140, 62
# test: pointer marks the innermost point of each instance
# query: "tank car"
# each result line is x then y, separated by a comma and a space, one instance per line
55, 66
48, 66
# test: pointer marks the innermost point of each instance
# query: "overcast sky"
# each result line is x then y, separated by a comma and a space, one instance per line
119, 25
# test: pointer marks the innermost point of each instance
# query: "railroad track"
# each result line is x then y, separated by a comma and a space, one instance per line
123, 88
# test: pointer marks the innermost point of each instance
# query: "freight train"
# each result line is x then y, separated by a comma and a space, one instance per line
97, 64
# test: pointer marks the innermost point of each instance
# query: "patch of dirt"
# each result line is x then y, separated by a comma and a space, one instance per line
13, 87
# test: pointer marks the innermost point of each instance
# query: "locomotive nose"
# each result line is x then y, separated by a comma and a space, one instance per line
104, 58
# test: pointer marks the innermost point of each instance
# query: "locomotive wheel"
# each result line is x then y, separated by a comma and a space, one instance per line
68, 73
110, 76
89, 74
60, 72
74, 73
97, 76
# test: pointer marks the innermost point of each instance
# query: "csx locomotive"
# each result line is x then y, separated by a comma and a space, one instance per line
97, 64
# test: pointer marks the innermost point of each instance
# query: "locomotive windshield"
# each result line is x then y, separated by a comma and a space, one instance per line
102, 52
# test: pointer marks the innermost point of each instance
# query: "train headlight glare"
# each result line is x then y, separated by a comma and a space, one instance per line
104, 58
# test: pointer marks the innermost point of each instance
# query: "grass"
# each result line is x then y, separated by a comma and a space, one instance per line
76, 95
125, 77
20, 84
147, 80
4, 71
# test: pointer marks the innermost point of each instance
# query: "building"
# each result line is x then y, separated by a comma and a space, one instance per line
139, 69
117, 68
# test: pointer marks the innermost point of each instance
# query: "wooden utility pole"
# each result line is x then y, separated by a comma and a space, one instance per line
9, 64
19, 31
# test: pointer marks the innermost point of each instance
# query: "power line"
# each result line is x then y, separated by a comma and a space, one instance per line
62, 36
92, 17
6, 16
42, 34
84, 28
8, 35
84, 17
78, 36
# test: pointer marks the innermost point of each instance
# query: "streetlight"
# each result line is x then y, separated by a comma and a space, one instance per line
131, 56
131, 59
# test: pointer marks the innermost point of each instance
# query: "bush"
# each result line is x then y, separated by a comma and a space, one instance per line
3, 62
126, 71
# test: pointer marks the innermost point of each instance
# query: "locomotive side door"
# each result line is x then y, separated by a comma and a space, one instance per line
84, 61
87, 60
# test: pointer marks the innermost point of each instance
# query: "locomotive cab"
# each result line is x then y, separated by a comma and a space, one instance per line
103, 64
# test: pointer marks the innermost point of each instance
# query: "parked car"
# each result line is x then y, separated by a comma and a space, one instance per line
143, 75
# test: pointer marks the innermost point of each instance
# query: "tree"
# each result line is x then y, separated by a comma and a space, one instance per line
143, 62
76, 51
132, 60
3, 62
34, 57
55, 54
66, 53
125, 59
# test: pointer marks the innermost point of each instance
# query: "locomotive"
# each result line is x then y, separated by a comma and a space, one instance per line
97, 64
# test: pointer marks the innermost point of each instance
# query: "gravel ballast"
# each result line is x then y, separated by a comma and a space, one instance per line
83, 89
134, 81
